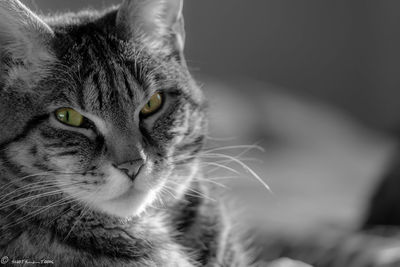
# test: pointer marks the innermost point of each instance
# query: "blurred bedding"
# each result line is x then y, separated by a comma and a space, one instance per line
320, 163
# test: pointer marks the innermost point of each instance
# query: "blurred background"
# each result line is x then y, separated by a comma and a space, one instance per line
315, 83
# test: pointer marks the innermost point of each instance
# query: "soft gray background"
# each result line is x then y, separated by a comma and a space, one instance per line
316, 80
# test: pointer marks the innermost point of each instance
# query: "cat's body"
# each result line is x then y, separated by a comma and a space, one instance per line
88, 177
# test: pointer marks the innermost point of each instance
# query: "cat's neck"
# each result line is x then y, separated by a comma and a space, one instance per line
147, 239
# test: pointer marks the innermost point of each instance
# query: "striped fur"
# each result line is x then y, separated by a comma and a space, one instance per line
62, 198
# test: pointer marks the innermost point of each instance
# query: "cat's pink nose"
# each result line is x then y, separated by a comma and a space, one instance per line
131, 168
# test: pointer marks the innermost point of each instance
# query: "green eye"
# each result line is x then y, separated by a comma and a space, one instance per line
69, 116
153, 105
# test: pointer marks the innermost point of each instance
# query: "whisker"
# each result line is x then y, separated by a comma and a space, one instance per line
199, 194
220, 139
37, 212
40, 184
220, 166
229, 160
247, 147
4, 187
86, 208
167, 189
30, 198
7, 185
211, 181
37, 185
246, 167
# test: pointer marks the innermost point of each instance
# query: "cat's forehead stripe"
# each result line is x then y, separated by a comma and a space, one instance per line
107, 81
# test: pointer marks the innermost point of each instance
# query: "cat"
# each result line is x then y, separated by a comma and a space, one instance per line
101, 125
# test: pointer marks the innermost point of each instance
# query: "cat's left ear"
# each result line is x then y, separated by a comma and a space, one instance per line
157, 24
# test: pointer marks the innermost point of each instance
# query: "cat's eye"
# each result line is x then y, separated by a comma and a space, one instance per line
153, 105
69, 116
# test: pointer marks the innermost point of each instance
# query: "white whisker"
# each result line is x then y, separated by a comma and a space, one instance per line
247, 147
246, 167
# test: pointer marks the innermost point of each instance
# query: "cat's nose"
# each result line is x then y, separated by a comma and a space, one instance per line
131, 168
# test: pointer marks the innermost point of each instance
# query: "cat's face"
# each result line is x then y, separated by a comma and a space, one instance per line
111, 119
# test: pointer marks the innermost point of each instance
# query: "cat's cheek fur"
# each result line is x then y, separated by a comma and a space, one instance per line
63, 163
18, 154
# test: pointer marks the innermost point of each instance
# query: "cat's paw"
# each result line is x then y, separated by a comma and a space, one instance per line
284, 262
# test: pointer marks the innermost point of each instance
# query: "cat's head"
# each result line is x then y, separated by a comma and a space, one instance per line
98, 107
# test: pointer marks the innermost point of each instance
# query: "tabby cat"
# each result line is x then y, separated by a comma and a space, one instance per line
101, 125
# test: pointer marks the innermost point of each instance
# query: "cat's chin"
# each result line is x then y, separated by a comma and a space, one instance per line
131, 203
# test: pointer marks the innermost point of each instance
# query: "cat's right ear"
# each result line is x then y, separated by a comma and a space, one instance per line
24, 39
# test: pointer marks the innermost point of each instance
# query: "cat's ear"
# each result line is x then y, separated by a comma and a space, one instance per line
156, 23
24, 38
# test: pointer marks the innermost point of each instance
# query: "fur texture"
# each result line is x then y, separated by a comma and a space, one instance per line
63, 196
